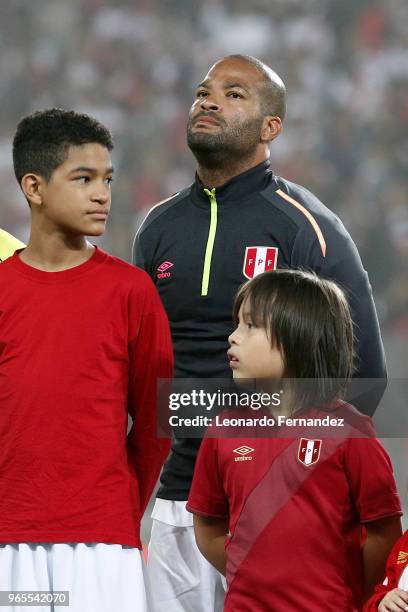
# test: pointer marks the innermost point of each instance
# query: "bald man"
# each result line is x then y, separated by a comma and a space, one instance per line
8, 245
238, 219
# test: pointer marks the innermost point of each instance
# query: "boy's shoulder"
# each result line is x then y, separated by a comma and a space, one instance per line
128, 281
355, 423
128, 273
7, 266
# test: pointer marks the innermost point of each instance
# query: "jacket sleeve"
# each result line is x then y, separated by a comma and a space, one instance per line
151, 359
342, 264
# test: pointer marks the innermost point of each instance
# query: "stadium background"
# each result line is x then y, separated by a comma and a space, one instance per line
134, 65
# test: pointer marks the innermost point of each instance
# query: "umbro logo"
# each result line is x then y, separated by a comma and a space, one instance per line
243, 452
162, 269
402, 557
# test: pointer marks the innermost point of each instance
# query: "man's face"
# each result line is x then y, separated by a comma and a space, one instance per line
226, 114
77, 198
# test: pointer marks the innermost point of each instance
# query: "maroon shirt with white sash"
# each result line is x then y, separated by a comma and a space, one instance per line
295, 525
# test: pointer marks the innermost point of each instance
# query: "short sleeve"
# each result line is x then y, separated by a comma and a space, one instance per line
372, 483
207, 496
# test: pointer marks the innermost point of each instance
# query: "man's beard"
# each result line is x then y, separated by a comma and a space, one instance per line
227, 145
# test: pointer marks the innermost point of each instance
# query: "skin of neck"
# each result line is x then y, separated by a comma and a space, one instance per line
286, 405
218, 176
53, 251
285, 408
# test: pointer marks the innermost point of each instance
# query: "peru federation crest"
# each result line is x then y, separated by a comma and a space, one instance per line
309, 451
259, 259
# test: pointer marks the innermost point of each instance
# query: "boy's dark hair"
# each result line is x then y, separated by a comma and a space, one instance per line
43, 138
308, 319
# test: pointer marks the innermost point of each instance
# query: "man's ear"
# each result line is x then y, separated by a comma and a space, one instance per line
33, 187
271, 128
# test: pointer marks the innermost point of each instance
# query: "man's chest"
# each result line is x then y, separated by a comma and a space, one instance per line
207, 262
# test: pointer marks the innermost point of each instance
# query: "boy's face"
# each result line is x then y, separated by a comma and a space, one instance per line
77, 198
251, 354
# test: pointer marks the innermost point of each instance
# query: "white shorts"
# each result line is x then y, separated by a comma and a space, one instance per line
99, 577
181, 580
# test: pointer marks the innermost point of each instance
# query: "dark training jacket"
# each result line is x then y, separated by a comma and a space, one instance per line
200, 245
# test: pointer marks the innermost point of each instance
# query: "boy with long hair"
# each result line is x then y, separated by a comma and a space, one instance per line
284, 525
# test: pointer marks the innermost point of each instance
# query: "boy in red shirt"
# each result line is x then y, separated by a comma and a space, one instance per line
83, 339
281, 515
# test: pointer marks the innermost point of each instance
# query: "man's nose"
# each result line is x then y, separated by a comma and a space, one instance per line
210, 103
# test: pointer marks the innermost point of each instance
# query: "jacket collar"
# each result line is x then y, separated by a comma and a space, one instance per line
253, 180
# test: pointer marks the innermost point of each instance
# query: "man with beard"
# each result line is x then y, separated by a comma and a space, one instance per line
236, 220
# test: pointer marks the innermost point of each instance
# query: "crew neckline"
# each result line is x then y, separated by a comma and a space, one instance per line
98, 257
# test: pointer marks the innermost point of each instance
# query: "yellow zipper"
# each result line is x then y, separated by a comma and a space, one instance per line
210, 241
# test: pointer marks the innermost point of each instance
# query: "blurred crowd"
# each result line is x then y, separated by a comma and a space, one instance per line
134, 65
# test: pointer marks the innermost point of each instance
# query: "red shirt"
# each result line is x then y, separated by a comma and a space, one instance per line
396, 565
79, 349
295, 527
